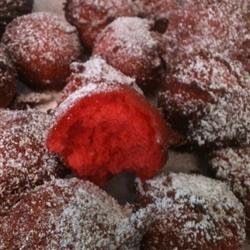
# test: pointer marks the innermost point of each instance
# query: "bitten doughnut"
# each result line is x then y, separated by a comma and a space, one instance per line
10, 9
232, 165
42, 46
8, 79
24, 160
67, 214
130, 45
206, 97
91, 16
181, 211
104, 129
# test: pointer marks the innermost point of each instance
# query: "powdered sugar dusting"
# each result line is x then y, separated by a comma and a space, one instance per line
196, 209
41, 37
131, 36
24, 160
69, 214
233, 166
96, 70
224, 116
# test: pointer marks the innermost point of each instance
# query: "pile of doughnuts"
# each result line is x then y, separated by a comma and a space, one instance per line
129, 81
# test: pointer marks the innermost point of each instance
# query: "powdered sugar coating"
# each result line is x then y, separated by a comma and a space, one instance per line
190, 212
42, 45
94, 71
10, 9
24, 160
232, 165
7, 79
219, 113
129, 45
91, 16
68, 214
217, 26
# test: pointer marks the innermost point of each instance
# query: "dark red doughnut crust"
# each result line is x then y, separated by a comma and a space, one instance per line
194, 25
10, 9
42, 46
232, 165
95, 70
8, 79
130, 45
67, 214
91, 16
103, 130
202, 98
24, 161
181, 211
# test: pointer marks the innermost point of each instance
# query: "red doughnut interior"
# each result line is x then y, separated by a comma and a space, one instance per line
108, 133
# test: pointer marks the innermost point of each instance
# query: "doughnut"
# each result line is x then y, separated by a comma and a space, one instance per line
232, 165
202, 98
182, 211
8, 79
90, 17
24, 161
192, 26
129, 45
67, 214
95, 70
104, 129
10, 9
42, 46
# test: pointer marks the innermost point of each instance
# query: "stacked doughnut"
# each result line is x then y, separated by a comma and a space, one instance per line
132, 80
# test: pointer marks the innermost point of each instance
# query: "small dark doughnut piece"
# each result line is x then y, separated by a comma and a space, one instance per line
24, 161
8, 79
68, 214
182, 211
42, 46
10, 9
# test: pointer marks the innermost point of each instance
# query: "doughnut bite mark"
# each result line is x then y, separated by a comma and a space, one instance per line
232, 165
91, 16
8, 79
181, 211
102, 130
95, 70
67, 214
42, 46
24, 161
202, 99
10, 9
130, 45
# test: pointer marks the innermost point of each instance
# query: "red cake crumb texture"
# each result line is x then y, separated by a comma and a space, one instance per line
207, 98
181, 211
95, 71
214, 25
8, 79
10, 9
67, 214
129, 45
42, 47
232, 165
24, 160
103, 130
91, 16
